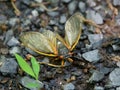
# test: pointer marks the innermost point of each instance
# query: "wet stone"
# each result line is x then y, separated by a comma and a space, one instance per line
13, 21
96, 17
13, 42
82, 6
69, 86
72, 6
14, 50
114, 77
9, 66
98, 88
66, 1
96, 76
26, 80
92, 56
116, 2
62, 19
35, 13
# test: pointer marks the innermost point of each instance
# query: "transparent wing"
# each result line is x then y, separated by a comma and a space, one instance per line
38, 43
73, 30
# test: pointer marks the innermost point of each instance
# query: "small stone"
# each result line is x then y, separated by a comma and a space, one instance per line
98, 88
72, 6
9, 66
69, 86
3, 19
14, 50
62, 19
91, 3
53, 22
118, 64
8, 36
93, 38
35, 13
66, 1
116, 47
114, 77
39, 1
13, 21
25, 81
116, 2
96, 17
13, 42
96, 76
118, 88
53, 14
105, 70
82, 6
31, 51
92, 56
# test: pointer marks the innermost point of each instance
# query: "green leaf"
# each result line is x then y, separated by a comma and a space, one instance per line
33, 85
24, 65
35, 67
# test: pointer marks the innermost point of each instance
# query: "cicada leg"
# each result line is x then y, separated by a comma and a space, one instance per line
63, 62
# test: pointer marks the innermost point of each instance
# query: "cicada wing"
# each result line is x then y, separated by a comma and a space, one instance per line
51, 37
38, 43
73, 30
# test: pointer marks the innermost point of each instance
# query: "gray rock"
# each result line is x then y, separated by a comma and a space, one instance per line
53, 14
35, 13
26, 80
8, 36
116, 2
13, 21
105, 70
114, 77
118, 64
91, 3
96, 76
98, 88
96, 17
72, 6
3, 19
63, 19
92, 56
13, 42
93, 38
9, 66
116, 47
39, 1
69, 86
66, 1
82, 6
14, 50
118, 88
53, 22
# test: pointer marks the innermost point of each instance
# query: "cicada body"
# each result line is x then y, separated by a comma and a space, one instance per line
52, 44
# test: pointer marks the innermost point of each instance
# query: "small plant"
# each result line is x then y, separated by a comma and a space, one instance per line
32, 70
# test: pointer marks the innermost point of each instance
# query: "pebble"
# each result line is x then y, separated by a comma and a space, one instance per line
114, 77
105, 70
82, 6
68, 86
91, 3
116, 2
99, 88
13, 21
8, 36
66, 1
39, 1
53, 14
3, 19
96, 17
96, 76
31, 51
26, 80
35, 13
13, 42
9, 66
72, 6
116, 47
14, 50
118, 63
118, 88
63, 19
92, 56
93, 38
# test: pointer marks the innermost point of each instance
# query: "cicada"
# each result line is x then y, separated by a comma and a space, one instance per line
49, 43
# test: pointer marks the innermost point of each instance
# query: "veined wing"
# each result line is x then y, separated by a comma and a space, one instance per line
73, 30
38, 43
